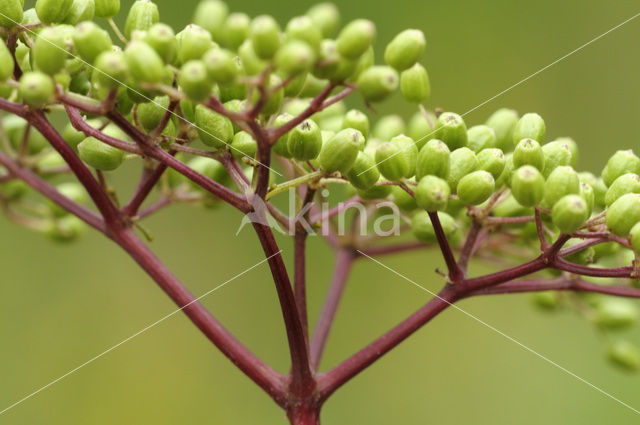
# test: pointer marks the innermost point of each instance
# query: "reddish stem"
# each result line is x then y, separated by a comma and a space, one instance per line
147, 182
455, 273
517, 287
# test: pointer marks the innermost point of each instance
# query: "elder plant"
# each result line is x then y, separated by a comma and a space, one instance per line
211, 113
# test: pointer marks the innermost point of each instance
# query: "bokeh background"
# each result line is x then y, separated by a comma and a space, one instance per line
61, 305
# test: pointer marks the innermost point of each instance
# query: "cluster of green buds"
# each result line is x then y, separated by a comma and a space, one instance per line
218, 88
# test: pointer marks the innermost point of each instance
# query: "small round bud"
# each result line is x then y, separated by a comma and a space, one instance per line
433, 159
151, 113
73, 137
111, 69
210, 168
357, 120
528, 152
583, 257
481, 137
74, 191
388, 127
626, 183
420, 127
214, 129
587, 193
432, 193
530, 126
243, 145
81, 10
49, 50
302, 28
375, 192
211, 15
236, 30
561, 182
405, 49
295, 57
392, 162
378, 82
305, 141
144, 64
545, 300
461, 162
99, 155
622, 162
53, 11
423, 228
451, 129
364, 174
623, 214
163, 40
282, 144
511, 208
476, 187
90, 41
142, 15
326, 17
492, 161
65, 229
624, 355
194, 81
12, 11
527, 186
107, 8
635, 237
403, 200
265, 36
251, 63
503, 122
556, 154
414, 84
341, 151
6, 63
221, 66
36, 88
614, 313
193, 42
570, 213
355, 38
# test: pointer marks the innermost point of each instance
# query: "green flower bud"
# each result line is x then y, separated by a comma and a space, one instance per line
414, 84
584, 257
111, 69
528, 152
163, 40
90, 40
622, 162
546, 300
527, 186
6, 63
561, 182
251, 63
392, 163
236, 30
221, 66
210, 168
388, 127
295, 57
403, 200
432, 193
364, 174
614, 313
282, 144
573, 149
366, 61
625, 355
423, 228
451, 129
144, 64
555, 154
326, 17
328, 60
570, 213
476, 187
243, 145
405, 49
107, 8
433, 159
73, 137
305, 141
492, 161
511, 208
265, 36
99, 155
53, 11
74, 191
503, 122
377, 83
626, 183
214, 129
194, 81
65, 229
635, 237
461, 162
142, 16
81, 10
355, 38
14, 190
481, 137
193, 42
530, 126
588, 195
302, 28
211, 15
356, 119
623, 214
36, 88
375, 192
49, 51
341, 151
12, 9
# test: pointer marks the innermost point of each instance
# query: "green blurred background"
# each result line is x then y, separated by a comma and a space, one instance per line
62, 305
